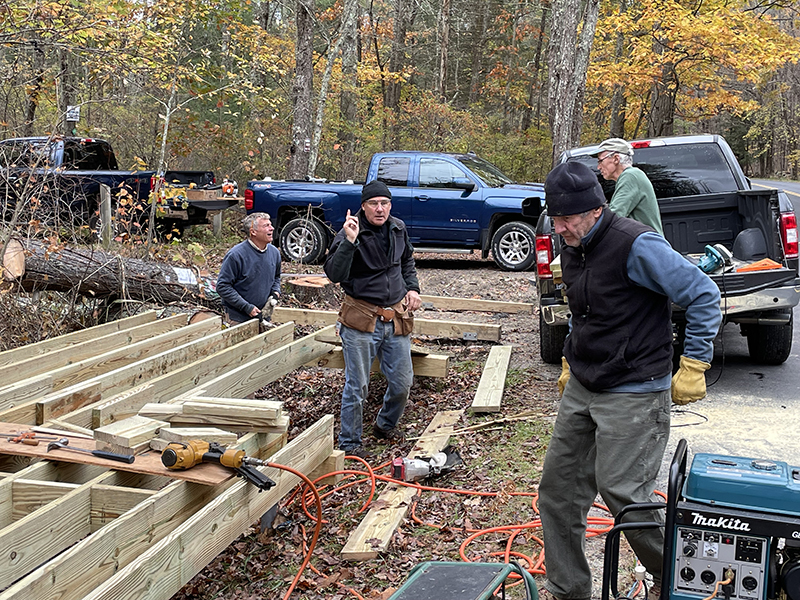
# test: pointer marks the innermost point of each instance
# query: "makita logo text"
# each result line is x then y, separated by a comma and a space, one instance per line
722, 522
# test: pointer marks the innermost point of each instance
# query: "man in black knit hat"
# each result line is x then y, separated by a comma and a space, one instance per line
616, 384
372, 259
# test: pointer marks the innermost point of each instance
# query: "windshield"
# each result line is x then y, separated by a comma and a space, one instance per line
24, 153
491, 175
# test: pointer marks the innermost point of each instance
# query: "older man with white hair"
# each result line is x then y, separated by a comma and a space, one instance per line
634, 196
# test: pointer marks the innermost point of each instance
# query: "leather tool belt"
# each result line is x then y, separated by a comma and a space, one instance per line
361, 315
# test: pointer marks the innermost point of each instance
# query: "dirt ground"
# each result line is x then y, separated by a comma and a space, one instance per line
504, 459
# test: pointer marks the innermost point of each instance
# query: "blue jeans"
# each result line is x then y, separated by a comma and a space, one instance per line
360, 349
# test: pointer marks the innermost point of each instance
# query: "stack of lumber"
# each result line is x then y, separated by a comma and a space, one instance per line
128, 436
231, 414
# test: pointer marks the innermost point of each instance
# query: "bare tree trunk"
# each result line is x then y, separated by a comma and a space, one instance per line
349, 15
348, 100
534, 94
568, 59
302, 90
33, 90
403, 19
481, 27
444, 43
169, 108
662, 111
618, 105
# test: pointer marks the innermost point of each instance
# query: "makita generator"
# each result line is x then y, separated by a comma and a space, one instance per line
732, 530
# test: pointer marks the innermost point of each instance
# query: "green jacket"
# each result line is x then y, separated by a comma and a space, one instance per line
634, 197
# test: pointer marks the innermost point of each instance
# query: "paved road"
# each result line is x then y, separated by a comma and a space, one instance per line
752, 410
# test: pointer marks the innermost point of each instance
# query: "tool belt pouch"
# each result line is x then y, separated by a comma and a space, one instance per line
358, 315
403, 320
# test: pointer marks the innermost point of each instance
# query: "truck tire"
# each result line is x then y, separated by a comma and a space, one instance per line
551, 341
770, 344
514, 246
304, 240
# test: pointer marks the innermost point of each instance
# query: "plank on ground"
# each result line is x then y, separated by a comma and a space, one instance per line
432, 327
56, 359
62, 341
169, 564
77, 571
179, 381
373, 534
475, 304
430, 365
489, 394
35, 387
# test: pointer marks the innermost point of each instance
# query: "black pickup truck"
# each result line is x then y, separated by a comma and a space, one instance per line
61, 179
705, 199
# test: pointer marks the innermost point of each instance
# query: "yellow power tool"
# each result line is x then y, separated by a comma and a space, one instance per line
185, 455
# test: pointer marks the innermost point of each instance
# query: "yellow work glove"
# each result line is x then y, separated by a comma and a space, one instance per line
564, 377
689, 383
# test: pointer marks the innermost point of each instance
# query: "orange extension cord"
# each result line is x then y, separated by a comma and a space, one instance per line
308, 491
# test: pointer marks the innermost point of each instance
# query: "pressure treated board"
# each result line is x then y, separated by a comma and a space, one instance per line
430, 365
435, 328
166, 566
475, 304
67, 356
94, 559
206, 434
233, 407
103, 386
493, 380
129, 432
179, 381
35, 387
76, 337
376, 529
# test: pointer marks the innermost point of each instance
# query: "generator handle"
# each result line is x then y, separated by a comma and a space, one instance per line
677, 475
611, 557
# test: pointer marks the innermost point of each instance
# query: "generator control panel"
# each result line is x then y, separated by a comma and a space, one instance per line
702, 558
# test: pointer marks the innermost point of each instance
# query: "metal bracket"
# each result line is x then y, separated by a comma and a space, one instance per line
470, 336
427, 305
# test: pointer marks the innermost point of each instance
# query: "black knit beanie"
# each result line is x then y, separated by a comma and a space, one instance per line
572, 188
374, 189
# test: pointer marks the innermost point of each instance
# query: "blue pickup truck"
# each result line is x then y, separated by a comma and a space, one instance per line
449, 202
64, 175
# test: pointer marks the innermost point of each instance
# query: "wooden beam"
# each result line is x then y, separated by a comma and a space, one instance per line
77, 352
233, 407
40, 385
493, 380
376, 529
335, 462
207, 434
237, 424
109, 502
76, 337
431, 365
44, 533
255, 374
179, 381
30, 495
41, 471
106, 385
166, 566
444, 329
476, 304
129, 432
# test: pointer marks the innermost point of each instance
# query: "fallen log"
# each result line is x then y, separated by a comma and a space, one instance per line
98, 274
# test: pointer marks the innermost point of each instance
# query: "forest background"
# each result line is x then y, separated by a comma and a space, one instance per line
313, 87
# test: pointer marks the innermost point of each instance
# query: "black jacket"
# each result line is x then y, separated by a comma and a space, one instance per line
621, 332
364, 269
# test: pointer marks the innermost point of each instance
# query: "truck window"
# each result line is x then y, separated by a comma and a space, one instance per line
393, 170
678, 170
24, 153
491, 175
89, 156
434, 172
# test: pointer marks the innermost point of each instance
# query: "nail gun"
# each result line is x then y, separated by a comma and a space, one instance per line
185, 455
415, 469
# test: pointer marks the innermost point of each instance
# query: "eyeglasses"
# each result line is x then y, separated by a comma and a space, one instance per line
609, 155
375, 203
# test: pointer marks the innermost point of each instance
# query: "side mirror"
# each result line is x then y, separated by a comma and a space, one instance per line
463, 183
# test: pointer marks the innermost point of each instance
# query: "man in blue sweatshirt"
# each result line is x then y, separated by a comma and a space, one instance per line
251, 271
617, 385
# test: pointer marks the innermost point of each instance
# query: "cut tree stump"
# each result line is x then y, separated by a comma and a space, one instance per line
13, 263
102, 275
312, 290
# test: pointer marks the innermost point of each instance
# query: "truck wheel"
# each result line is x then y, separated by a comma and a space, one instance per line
551, 341
770, 344
514, 246
304, 240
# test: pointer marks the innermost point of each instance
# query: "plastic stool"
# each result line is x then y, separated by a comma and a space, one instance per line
458, 581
